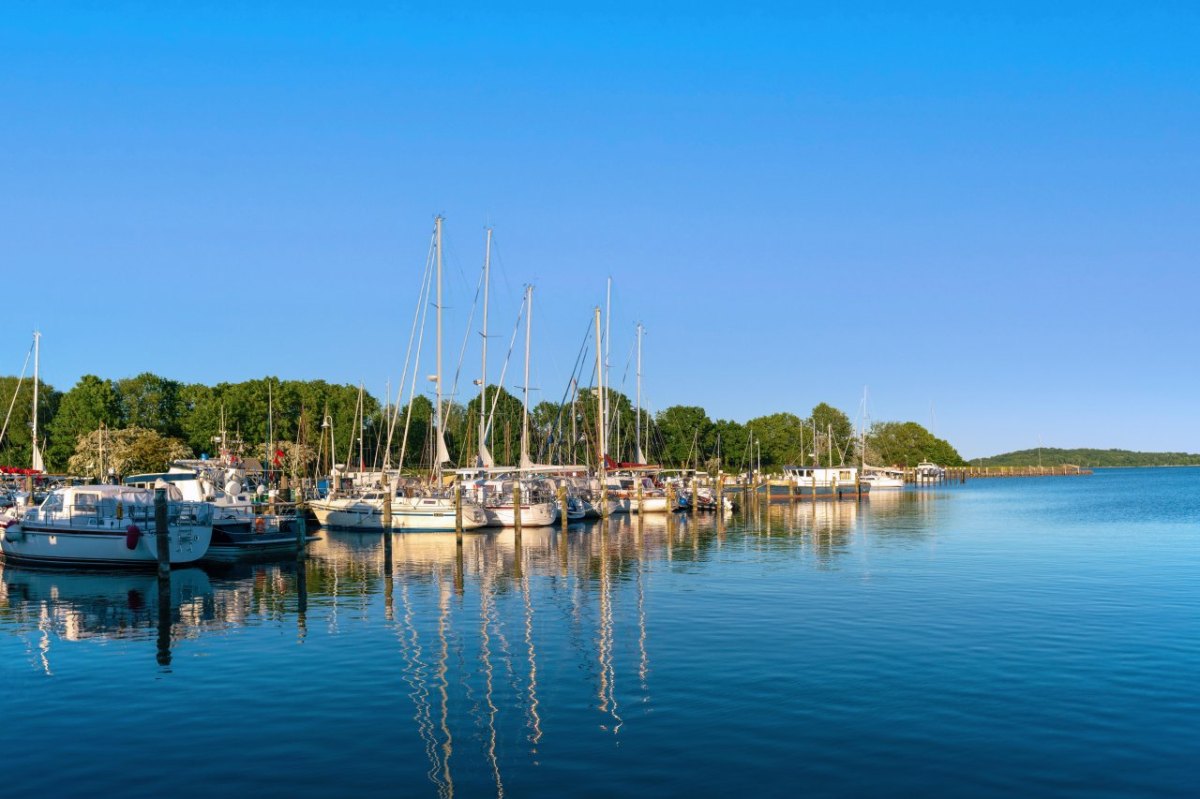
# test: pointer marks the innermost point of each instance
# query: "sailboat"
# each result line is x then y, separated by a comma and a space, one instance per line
431, 510
495, 491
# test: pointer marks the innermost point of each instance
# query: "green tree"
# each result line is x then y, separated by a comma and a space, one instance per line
15, 449
824, 419
90, 403
683, 428
150, 401
907, 444
779, 437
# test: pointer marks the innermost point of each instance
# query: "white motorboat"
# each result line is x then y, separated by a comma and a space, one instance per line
883, 479
105, 525
242, 523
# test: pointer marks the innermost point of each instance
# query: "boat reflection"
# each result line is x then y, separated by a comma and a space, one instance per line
76, 606
467, 623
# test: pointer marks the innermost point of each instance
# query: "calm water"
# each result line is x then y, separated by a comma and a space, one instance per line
1023, 637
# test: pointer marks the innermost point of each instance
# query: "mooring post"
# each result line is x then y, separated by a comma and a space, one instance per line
301, 523
695, 494
640, 503
387, 505
562, 506
517, 506
720, 493
458, 521
161, 531
814, 486
857, 487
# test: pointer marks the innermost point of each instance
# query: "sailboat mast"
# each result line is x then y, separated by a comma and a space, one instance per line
270, 430
487, 267
525, 400
437, 467
599, 398
638, 428
607, 342
36, 454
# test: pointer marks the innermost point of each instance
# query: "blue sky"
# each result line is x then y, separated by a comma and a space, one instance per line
987, 210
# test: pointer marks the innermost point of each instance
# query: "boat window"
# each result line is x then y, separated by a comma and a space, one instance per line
53, 503
86, 502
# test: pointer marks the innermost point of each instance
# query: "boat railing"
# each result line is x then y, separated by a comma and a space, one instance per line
109, 513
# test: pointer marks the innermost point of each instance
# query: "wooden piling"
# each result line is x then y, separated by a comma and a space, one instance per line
562, 506
640, 502
458, 519
162, 532
387, 505
301, 524
695, 495
517, 506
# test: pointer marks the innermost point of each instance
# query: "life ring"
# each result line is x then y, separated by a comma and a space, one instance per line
259, 525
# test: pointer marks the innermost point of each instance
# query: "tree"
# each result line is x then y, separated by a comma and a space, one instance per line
907, 444
15, 449
730, 440
826, 418
90, 403
150, 401
128, 451
779, 437
682, 429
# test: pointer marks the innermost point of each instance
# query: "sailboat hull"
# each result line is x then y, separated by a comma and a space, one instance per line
422, 514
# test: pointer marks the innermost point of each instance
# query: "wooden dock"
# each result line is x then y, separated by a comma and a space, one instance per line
960, 474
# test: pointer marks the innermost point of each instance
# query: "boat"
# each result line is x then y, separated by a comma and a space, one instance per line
423, 509
243, 524
927, 472
883, 479
105, 525
819, 482
539, 507
416, 513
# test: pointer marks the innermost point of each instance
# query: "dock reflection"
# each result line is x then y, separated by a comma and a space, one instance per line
475, 628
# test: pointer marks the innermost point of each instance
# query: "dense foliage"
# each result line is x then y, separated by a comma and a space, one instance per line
1049, 456
305, 420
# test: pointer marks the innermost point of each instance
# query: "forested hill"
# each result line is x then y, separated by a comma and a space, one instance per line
1089, 457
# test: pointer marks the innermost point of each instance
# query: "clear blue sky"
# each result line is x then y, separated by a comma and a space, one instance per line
993, 210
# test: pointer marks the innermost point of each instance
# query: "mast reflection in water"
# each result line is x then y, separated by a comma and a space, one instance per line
824, 644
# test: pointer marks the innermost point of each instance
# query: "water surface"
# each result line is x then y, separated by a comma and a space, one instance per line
1031, 636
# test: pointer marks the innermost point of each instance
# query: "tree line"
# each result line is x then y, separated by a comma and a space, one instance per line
304, 418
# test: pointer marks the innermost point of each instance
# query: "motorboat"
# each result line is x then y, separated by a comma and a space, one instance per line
883, 479
106, 525
243, 521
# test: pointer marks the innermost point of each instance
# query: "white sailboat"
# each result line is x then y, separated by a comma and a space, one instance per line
429, 511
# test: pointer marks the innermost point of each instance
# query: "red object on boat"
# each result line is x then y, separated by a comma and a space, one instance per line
132, 535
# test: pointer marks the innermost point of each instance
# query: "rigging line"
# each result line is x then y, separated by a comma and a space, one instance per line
503, 370
499, 261
562, 405
416, 370
395, 414
463, 351
20, 380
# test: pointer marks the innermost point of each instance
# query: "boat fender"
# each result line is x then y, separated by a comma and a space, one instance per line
259, 525
133, 534
11, 530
